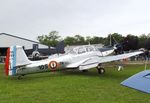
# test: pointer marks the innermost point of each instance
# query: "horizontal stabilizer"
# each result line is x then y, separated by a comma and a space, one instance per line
139, 81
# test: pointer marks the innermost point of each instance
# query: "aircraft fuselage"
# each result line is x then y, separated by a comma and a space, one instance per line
56, 64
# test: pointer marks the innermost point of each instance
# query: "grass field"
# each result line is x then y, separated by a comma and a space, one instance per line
72, 87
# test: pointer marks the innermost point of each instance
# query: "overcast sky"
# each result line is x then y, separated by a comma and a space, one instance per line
30, 18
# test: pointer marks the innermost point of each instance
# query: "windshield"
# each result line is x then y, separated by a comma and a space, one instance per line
81, 49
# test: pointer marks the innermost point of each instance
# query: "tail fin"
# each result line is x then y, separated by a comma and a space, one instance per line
15, 57
60, 47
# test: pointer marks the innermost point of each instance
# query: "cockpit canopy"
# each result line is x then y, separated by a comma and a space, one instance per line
81, 49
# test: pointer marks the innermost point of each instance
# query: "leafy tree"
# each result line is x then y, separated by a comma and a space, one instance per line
88, 40
76, 40
97, 40
115, 38
142, 40
51, 39
80, 40
132, 42
147, 44
70, 40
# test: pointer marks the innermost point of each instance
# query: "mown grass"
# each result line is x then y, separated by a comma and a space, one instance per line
72, 87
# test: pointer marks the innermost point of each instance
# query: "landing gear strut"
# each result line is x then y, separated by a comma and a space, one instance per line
100, 69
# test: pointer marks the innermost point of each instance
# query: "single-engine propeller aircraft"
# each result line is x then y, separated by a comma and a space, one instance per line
81, 58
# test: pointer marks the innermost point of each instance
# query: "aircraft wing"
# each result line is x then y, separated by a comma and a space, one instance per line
139, 81
77, 64
118, 57
94, 61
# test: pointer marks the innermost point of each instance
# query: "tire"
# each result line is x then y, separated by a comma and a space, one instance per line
101, 70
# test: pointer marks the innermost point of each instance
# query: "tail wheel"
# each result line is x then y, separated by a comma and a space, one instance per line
84, 70
20, 77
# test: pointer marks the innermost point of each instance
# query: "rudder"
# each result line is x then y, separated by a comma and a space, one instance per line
15, 57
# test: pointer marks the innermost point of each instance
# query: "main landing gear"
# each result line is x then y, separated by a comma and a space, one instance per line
100, 69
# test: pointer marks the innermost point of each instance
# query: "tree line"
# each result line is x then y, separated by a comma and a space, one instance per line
129, 42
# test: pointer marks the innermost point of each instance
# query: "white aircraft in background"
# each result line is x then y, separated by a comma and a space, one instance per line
81, 58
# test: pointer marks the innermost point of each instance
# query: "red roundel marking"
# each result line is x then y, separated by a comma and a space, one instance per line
7, 62
53, 65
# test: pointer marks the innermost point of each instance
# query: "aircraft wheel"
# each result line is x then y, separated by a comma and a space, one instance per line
101, 70
20, 77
